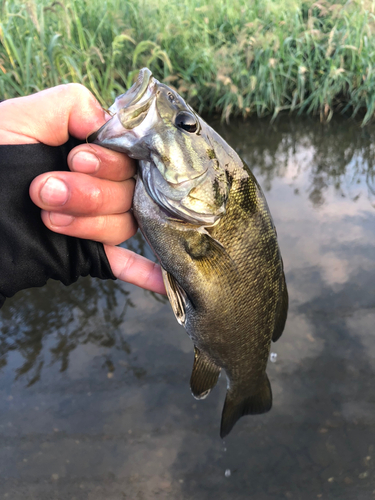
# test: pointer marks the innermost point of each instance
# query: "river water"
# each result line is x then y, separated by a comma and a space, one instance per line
94, 382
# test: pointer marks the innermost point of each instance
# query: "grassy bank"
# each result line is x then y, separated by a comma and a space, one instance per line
233, 57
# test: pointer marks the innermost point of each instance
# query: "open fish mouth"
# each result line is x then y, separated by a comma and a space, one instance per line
135, 94
128, 111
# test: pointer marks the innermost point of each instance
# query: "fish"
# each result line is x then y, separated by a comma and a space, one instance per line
205, 216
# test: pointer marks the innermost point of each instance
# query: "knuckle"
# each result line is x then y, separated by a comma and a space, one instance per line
76, 92
127, 265
76, 88
102, 225
95, 199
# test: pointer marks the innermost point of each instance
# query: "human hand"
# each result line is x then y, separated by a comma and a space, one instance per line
93, 200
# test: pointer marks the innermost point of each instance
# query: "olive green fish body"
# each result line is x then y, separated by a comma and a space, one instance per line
206, 218
233, 279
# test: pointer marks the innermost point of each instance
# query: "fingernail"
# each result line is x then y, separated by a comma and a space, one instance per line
85, 162
57, 219
54, 192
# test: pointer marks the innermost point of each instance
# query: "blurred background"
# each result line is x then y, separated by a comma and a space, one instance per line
229, 57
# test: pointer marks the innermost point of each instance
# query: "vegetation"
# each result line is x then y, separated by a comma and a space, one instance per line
233, 57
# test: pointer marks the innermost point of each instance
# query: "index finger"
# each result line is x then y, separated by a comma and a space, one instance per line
101, 162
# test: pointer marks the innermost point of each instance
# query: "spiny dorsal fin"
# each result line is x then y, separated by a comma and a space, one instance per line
237, 405
204, 375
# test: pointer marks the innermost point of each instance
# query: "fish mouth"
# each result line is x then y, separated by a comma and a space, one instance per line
128, 111
135, 93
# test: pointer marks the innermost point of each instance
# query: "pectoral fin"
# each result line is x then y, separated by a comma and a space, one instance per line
204, 375
199, 244
176, 296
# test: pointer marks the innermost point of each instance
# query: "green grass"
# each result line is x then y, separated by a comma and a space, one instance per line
233, 57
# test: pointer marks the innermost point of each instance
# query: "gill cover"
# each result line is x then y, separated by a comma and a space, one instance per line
177, 159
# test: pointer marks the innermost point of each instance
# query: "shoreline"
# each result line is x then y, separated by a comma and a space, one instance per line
225, 58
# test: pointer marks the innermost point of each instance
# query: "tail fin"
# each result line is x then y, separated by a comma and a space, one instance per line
237, 405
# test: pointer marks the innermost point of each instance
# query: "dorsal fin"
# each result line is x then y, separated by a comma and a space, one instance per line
204, 375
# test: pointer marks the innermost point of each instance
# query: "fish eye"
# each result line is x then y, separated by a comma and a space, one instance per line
186, 121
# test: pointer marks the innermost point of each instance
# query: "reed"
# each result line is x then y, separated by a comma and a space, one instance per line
231, 57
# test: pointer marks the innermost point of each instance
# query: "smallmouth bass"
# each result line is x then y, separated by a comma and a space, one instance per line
204, 215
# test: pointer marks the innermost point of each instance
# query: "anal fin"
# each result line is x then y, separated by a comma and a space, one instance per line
237, 405
204, 375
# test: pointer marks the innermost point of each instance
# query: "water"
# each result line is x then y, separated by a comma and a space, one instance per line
94, 385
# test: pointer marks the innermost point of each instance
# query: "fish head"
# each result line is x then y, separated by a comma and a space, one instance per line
174, 147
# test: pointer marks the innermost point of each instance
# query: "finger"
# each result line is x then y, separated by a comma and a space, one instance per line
101, 162
109, 229
133, 268
80, 194
51, 115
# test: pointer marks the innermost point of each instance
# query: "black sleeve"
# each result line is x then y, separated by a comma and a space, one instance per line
30, 253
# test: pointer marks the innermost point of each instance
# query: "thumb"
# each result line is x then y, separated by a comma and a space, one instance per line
50, 116
133, 268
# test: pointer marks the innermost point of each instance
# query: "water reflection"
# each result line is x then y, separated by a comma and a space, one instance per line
89, 312
94, 387
335, 155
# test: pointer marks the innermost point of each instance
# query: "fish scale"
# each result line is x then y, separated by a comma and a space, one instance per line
204, 215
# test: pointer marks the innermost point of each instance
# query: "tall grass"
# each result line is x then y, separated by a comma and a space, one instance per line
233, 57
